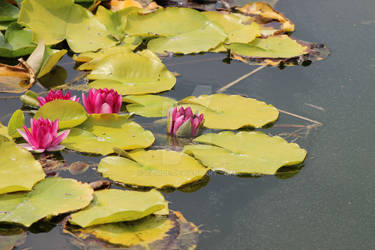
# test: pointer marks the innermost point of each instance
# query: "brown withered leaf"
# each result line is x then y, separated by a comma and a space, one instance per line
265, 15
312, 52
19, 78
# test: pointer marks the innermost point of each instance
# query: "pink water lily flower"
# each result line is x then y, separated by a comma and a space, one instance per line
43, 135
183, 123
100, 101
56, 95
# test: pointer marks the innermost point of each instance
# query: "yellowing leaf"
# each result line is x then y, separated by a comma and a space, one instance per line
114, 205
69, 113
245, 152
232, 111
100, 134
153, 168
149, 105
50, 197
152, 232
265, 13
19, 171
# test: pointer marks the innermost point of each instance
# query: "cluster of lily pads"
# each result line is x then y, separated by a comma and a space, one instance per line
119, 50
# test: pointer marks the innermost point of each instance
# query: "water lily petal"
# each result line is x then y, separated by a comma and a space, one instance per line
55, 148
60, 137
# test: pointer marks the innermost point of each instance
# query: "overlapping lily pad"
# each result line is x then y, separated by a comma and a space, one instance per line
49, 197
114, 205
16, 42
153, 168
152, 232
130, 73
236, 30
50, 59
60, 20
149, 105
271, 47
19, 171
100, 133
69, 113
232, 111
245, 152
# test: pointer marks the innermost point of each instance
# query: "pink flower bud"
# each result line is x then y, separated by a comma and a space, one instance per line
183, 123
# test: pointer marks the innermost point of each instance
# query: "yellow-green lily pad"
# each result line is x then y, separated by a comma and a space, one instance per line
114, 205
245, 152
130, 73
50, 197
281, 46
236, 30
60, 20
203, 39
100, 133
149, 105
50, 59
19, 171
153, 168
223, 111
69, 113
152, 232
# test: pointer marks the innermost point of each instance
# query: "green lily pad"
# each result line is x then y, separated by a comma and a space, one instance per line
16, 42
233, 26
115, 22
50, 197
60, 20
8, 12
86, 57
50, 59
245, 152
16, 122
149, 105
4, 133
130, 73
153, 168
152, 232
166, 22
114, 205
271, 47
19, 171
99, 134
231, 111
203, 39
69, 113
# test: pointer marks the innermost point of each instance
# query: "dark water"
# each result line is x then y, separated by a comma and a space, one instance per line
330, 203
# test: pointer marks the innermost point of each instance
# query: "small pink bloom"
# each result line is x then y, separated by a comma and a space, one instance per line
183, 123
56, 95
101, 101
43, 135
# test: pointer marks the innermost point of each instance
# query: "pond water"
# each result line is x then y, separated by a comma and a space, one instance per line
329, 204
